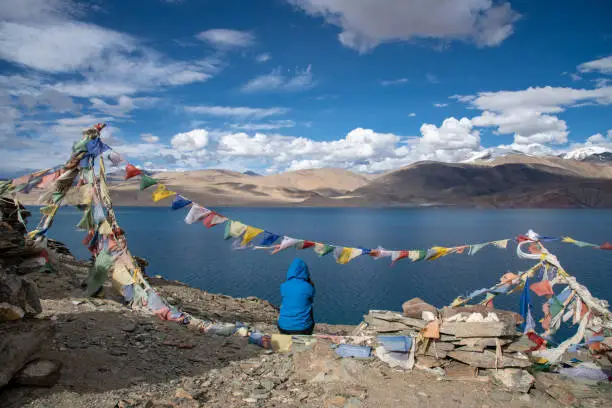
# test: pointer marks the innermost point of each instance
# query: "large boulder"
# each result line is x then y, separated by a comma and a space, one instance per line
18, 344
416, 306
19, 292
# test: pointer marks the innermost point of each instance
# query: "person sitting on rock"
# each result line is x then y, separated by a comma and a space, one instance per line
296, 312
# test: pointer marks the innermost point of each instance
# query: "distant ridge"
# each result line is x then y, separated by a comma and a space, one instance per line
489, 180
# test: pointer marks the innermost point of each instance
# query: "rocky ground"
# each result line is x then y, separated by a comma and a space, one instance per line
84, 352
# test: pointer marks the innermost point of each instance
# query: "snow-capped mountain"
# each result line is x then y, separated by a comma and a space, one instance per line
589, 153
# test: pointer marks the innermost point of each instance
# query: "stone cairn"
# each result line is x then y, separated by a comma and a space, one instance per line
457, 343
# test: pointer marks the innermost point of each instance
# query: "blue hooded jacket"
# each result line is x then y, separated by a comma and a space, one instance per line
298, 294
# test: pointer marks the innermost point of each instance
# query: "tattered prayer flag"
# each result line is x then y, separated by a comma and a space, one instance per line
287, 242
269, 239
162, 192
115, 158
417, 255
322, 249
98, 214
57, 197
196, 213
99, 272
21, 180
87, 222
105, 228
80, 146
96, 147
234, 229
606, 245
438, 252
508, 278
180, 202
48, 179
580, 244
503, 244
542, 288
49, 210
380, 252
213, 219
146, 182
305, 245
555, 306
131, 171
397, 255
345, 255
121, 276
250, 234
477, 247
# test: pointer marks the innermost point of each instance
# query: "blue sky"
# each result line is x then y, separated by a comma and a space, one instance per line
274, 85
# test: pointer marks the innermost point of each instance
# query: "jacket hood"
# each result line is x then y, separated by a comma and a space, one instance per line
298, 269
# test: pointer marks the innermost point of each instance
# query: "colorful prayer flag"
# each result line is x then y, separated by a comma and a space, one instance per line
131, 171
323, 249
180, 202
162, 192
115, 158
437, 252
196, 213
269, 239
305, 244
542, 288
287, 242
146, 182
213, 219
345, 255
417, 255
397, 255
234, 229
250, 234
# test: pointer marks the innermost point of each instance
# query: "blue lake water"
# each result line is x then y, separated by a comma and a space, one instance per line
200, 257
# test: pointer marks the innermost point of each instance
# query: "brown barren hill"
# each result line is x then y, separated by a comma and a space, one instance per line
504, 185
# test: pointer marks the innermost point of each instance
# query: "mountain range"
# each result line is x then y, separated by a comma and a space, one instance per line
579, 180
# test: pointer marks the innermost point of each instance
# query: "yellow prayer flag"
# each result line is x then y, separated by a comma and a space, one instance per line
503, 244
49, 210
86, 194
250, 234
439, 252
348, 254
569, 240
162, 192
105, 228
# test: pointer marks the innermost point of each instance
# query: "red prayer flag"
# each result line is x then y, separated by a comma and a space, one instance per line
606, 245
539, 341
542, 288
131, 171
307, 244
522, 238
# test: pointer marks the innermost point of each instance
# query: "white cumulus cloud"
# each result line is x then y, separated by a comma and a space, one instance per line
365, 23
193, 140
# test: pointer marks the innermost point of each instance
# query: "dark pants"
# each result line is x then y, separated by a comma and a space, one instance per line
291, 332
307, 331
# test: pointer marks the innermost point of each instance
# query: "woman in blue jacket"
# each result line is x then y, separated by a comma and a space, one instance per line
296, 312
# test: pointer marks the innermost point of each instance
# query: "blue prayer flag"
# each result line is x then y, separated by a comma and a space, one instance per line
180, 202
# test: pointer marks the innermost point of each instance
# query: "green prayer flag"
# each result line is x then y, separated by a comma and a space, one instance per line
57, 197
87, 221
555, 307
146, 182
99, 273
323, 249
80, 146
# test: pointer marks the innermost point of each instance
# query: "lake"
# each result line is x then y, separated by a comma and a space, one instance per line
200, 257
